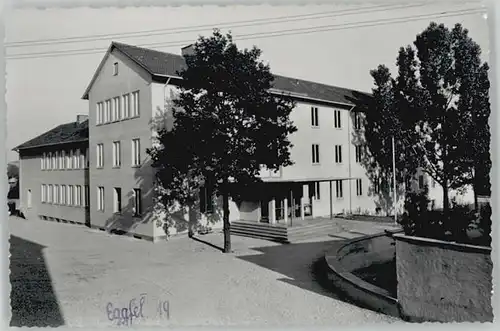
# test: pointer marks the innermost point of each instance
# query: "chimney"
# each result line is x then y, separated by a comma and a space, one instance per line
187, 50
81, 118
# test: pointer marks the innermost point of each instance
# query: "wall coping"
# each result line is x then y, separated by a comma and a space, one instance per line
442, 244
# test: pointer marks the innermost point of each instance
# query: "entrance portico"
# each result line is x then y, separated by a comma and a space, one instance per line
283, 202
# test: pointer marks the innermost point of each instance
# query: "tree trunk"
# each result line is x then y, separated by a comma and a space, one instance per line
227, 225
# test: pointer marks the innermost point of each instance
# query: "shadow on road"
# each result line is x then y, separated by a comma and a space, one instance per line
33, 301
302, 263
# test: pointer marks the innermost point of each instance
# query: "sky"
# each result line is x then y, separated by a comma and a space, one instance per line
45, 91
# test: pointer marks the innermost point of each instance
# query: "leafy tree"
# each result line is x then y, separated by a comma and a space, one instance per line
12, 170
437, 109
226, 125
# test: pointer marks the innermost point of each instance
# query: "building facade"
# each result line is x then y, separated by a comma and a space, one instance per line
129, 92
53, 174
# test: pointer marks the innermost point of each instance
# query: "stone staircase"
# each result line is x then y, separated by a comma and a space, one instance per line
286, 234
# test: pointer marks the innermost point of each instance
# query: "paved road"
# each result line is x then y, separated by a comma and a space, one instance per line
64, 274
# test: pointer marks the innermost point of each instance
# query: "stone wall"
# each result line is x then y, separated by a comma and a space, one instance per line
441, 281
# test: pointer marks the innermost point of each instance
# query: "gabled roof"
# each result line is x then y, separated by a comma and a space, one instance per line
62, 134
161, 64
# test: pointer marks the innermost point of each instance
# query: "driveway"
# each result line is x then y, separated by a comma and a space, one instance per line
63, 274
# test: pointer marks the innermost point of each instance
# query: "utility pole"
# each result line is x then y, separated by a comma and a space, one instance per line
394, 179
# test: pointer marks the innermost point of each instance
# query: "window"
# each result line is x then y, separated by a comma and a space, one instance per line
48, 163
421, 182
137, 202
315, 190
315, 154
117, 109
357, 121
56, 161
376, 185
336, 119
112, 112
99, 113
126, 106
338, 153
70, 160
64, 160
43, 195
100, 198
115, 68
87, 163
359, 153
359, 187
314, 117
29, 198
117, 205
339, 189
116, 154
71, 197
87, 196
107, 110
82, 163
61, 160
100, 156
135, 104
56, 194
76, 159
49, 194
62, 195
206, 200
42, 163
136, 152
77, 195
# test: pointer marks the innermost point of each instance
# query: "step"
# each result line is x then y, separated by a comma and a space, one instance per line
315, 228
325, 230
259, 235
259, 226
260, 230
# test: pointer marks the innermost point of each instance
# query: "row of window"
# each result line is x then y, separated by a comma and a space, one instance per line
68, 195
337, 122
118, 108
117, 154
206, 200
117, 200
314, 189
63, 160
359, 150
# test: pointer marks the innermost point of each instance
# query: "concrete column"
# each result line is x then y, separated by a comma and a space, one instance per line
302, 208
313, 205
285, 209
272, 211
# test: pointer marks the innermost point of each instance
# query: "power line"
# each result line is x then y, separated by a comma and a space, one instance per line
246, 23
279, 33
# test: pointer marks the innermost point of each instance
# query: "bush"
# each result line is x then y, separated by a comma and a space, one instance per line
419, 221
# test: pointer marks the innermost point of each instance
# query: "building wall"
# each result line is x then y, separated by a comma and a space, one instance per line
31, 177
442, 281
130, 78
327, 136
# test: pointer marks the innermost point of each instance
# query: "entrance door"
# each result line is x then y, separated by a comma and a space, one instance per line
264, 211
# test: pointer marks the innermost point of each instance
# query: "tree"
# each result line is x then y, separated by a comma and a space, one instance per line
12, 170
437, 109
226, 125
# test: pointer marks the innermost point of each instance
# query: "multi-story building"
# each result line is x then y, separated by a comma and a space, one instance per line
131, 87
53, 174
